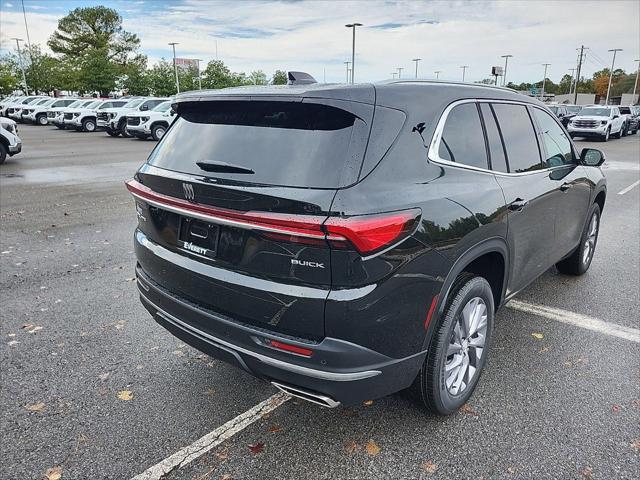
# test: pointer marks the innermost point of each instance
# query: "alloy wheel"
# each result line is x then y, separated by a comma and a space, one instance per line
466, 346
590, 242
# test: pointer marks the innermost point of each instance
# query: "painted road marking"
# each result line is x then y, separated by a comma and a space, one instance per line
629, 188
211, 440
578, 320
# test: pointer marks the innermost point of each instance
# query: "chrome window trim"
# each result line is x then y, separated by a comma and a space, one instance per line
434, 147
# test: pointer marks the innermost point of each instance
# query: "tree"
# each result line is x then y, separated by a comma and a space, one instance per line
218, 75
134, 79
43, 72
565, 83
161, 79
601, 84
93, 29
97, 73
257, 77
279, 78
8, 78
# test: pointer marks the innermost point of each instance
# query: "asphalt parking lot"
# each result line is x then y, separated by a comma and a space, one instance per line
92, 386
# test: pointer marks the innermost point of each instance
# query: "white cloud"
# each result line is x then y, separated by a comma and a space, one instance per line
310, 35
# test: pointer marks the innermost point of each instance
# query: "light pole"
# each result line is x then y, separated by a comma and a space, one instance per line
199, 76
24, 76
633, 96
437, 72
347, 64
506, 62
175, 66
464, 70
416, 60
393, 75
614, 50
544, 80
353, 47
400, 71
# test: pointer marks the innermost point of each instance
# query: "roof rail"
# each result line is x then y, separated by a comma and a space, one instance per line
300, 78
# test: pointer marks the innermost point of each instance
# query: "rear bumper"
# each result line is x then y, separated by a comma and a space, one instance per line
342, 371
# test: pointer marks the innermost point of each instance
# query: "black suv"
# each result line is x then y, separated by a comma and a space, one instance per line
345, 242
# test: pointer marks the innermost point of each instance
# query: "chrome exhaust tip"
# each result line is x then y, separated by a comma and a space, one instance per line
312, 397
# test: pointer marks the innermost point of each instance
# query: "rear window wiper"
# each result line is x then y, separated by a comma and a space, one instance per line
223, 167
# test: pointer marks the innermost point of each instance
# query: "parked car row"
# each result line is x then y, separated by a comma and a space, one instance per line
140, 117
603, 121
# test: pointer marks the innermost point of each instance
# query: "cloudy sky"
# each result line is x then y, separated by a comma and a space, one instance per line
310, 35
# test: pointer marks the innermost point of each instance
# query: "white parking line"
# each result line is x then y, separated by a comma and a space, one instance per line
629, 188
211, 440
578, 320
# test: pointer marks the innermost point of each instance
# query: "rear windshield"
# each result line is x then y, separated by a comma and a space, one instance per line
277, 143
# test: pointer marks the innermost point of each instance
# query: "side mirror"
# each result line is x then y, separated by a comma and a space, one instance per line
591, 157
616, 116
144, 107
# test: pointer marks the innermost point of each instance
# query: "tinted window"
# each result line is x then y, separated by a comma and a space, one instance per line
150, 104
556, 143
519, 137
283, 143
163, 107
496, 150
462, 138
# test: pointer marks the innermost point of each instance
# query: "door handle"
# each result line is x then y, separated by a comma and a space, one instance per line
565, 186
518, 204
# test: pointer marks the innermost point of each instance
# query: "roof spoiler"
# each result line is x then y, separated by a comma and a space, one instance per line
300, 78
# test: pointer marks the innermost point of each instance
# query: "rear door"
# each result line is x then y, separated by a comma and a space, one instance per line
231, 205
528, 194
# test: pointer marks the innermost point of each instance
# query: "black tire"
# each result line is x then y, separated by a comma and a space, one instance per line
579, 262
430, 386
61, 127
605, 137
42, 120
113, 133
89, 125
3, 153
123, 129
158, 131
620, 133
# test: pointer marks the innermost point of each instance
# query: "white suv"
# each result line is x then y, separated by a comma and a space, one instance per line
10, 143
37, 113
84, 118
14, 110
597, 121
154, 122
56, 115
114, 120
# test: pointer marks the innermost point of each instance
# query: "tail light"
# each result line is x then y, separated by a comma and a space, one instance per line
368, 234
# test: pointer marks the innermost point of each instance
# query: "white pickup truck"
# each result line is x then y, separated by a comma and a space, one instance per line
56, 115
154, 122
114, 120
37, 113
84, 118
14, 111
10, 143
598, 121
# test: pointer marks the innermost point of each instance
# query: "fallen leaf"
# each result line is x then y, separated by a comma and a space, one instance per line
586, 472
179, 353
222, 455
11, 335
119, 324
27, 325
35, 407
635, 403
103, 376
12, 343
511, 470
544, 350
351, 447
429, 467
615, 408
125, 395
368, 403
132, 279
372, 448
468, 410
635, 444
538, 336
256, 448
275, 429
226, 476
54, 473
210, 392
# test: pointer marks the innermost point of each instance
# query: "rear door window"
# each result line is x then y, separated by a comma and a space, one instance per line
268, 142
462, 139
519, 137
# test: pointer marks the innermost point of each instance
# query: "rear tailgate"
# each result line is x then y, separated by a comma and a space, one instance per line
247, 246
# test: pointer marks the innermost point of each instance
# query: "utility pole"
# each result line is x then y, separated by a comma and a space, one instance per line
437, 72
504, 75
614, 50
464, 70
575, 93
544, 80
24, 76
633, 97
353, 47
393, 75
573, 72
199, 76
175, 66
347, 64
416, 60
400, 71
